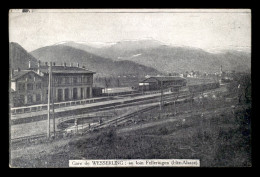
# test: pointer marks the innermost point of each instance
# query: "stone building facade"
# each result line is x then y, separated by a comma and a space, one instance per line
68, 83
26, 88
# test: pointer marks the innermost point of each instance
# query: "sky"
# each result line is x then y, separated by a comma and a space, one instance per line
210, 30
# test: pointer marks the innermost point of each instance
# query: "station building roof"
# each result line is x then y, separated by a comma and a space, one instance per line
63, 69
19, 74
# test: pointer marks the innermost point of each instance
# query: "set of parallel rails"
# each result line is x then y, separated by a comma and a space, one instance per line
41, 107
182, 96
83, 110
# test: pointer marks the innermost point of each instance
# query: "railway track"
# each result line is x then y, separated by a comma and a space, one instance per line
168, 100
34, 138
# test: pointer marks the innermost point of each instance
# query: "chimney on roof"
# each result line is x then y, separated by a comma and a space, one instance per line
53, 63
29, 63
64, 64
46, 63
18, 69
78, 65
83, 67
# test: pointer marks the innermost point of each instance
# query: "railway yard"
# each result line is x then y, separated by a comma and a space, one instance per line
35, 122
126, 115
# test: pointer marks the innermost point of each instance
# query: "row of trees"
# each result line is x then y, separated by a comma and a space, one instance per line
107, 81
113, 81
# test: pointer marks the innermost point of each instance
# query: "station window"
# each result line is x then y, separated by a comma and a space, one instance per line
87, 79
21, 86
80, 79
74, 79
38, 86
30, 99
59, 80
30, 86
67, 80
38, 97
55, 79
21, 100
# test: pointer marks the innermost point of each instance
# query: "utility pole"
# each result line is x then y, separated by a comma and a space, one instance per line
53, 113
161, 96
49, 99
76, 125
114, 110
174, 108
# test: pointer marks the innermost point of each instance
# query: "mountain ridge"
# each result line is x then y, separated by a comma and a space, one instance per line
98, 64
19, 57
167, 58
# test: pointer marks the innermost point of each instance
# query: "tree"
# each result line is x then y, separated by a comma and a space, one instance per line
107, 82
241, 85
118, 83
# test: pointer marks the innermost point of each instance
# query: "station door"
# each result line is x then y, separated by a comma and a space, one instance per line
66, 94
59, 94
75, 93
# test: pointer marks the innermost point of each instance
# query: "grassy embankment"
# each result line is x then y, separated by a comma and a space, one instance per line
218, 138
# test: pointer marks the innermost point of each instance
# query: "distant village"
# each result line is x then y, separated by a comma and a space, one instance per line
194, 74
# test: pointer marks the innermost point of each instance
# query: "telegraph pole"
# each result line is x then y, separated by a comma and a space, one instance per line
161, 97
49, 99
53, 113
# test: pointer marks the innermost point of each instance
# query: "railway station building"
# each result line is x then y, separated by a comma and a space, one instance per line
26, 88
68, 83
156, 82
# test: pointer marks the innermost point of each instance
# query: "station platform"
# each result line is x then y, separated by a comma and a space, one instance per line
87, 105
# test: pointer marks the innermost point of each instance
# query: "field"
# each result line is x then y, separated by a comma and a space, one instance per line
215, 130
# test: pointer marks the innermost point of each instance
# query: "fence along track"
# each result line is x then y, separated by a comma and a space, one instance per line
35, 108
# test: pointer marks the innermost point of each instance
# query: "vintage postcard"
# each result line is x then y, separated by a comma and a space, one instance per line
129, 88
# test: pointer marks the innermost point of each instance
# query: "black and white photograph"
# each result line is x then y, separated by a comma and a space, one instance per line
129, 88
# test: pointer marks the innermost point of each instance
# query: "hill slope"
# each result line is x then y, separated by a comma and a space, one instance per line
19, 57
102, 66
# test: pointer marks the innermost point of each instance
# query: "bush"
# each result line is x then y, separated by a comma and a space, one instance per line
163, 131
107, 137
